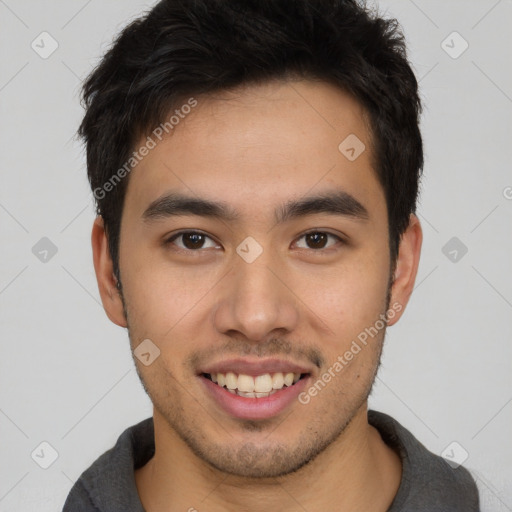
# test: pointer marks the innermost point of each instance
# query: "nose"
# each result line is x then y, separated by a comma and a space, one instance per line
256, 299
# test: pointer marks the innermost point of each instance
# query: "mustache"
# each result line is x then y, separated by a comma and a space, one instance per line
233, 348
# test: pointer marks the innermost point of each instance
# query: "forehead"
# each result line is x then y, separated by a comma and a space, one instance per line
260, 143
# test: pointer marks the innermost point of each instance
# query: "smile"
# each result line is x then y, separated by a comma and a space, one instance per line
259, 386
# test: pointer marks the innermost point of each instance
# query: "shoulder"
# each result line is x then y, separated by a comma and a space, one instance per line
429, 482
109, 483
79, 500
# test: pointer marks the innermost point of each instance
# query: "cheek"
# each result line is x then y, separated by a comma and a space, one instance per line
351, 297
163, 298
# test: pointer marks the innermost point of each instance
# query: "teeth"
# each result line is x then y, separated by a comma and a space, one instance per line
263, 383
254, 387
231, 380
245, 383
277, 381
254, 395
288, 379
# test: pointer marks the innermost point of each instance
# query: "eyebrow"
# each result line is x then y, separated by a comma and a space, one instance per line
333, 202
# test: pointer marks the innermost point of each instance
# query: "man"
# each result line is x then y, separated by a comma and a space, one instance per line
256, 167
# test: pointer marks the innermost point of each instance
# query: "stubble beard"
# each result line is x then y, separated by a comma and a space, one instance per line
263, 459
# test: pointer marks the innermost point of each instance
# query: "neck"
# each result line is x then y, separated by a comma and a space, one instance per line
357, 471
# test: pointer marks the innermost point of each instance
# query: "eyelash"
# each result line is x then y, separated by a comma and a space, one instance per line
170, 240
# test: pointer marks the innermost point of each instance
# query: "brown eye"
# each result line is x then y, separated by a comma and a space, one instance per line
318, 239
190, 240
193, 240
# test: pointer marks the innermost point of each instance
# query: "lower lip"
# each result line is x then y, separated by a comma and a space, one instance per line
254, 408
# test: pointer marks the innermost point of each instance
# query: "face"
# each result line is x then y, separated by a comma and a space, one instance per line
271, 279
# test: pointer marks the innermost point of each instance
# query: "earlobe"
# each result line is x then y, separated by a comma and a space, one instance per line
406, 266
104, 269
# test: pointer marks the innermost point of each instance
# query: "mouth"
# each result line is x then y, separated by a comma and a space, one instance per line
259, 386
254, 391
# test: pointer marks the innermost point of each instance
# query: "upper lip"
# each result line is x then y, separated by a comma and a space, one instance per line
254, 367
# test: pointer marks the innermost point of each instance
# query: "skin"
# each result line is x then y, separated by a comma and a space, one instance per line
255, 148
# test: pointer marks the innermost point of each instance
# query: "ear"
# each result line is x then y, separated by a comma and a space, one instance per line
104, 268
406, 266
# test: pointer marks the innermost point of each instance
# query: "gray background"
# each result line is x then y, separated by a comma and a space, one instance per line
66, 374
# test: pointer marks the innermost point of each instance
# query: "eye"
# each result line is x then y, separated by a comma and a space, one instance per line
318, 239
191, 240
195, 240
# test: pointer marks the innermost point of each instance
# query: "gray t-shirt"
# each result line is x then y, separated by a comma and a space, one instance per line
429, 483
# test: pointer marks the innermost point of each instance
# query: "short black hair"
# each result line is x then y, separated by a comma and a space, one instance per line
184, 48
